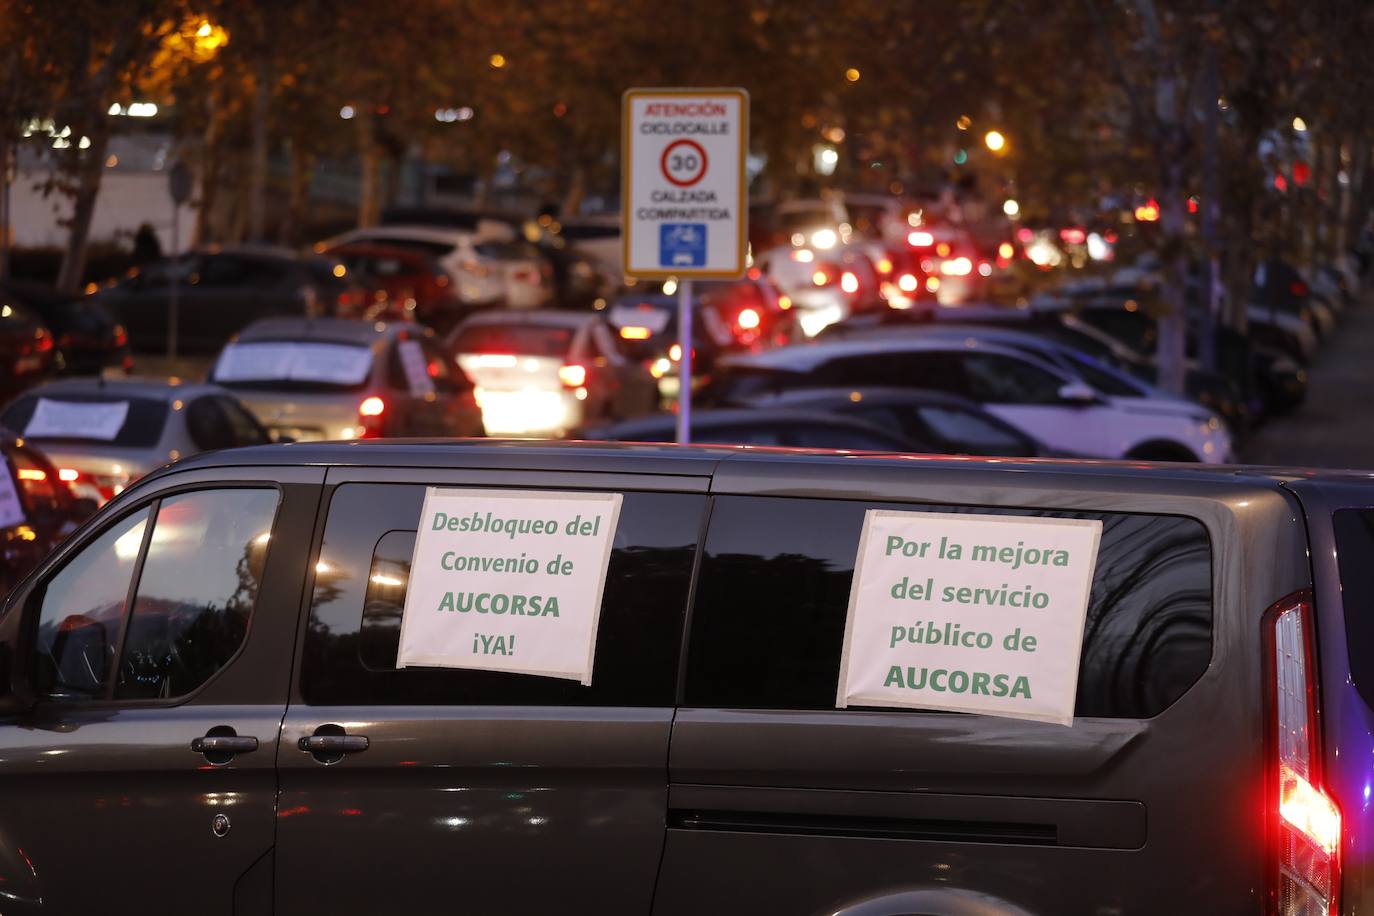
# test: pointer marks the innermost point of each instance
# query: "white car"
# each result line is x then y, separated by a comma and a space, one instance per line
823, 286
598, 238
1032, 394
547, 374
486, 264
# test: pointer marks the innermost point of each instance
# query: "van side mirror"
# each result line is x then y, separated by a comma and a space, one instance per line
1078, 394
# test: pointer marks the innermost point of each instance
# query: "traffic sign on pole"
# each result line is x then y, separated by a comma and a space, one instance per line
684, 199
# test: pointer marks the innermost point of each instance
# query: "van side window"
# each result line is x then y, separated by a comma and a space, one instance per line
83, 605
773, 592
1354, 531
196, 591
360, 586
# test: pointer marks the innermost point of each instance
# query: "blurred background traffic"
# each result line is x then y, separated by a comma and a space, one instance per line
1127, 230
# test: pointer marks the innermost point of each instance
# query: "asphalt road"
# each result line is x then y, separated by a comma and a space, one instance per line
1334, 427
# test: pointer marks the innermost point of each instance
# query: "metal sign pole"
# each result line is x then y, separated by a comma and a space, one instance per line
172, 288
684, 335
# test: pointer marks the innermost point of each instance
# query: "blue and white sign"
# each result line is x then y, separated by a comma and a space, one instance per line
685, 195
682, 245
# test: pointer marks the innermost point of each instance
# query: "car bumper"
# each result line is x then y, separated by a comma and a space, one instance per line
536, 413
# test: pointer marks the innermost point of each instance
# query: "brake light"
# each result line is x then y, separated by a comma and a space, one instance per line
69, 475
803, 255
1298, 288
822, 277
884, 266
372, 407
748, 319
121, 336
849, 283
956, 267
920, 239
33, 475
1306, 841
634, 332
572, 376
907, 283
675, 352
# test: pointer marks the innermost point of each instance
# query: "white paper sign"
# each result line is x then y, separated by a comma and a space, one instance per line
508, 580
100, 420
337, 364
11, 509
416, 368
969, 613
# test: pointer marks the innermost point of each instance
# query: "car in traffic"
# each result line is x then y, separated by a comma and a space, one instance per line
785, 427
403, 284
823, 285
223, 646
37, 508
28, 354
104, 434
88, 339
944, 423
486, 265
1054, 406
222, 290
337, 378
547, 373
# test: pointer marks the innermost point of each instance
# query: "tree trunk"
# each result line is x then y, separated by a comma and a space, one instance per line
257, 182
577, 190
210, 174
294, 224
369, 160
89, 173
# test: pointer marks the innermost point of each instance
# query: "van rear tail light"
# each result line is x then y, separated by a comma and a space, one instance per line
849, 283
1306, 840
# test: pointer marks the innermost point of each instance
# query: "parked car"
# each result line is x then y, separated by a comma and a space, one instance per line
159, 657
1050, 404
221, 291
104, 434
338, 378
486, 266
944, 423
88, 339
27, 352
37, 508
546, 373
403, 284
767, 426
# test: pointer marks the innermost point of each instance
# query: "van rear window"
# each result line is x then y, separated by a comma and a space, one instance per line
141, 427
773, 591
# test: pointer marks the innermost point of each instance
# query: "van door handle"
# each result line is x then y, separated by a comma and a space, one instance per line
333, 744
224, 744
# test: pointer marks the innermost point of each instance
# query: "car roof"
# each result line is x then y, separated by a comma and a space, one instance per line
155, 389
703, 460
324, 330
806, 357
802, 397
544, 317
735, 416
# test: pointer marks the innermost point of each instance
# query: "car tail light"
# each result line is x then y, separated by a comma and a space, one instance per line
1298, 288
68, 475
38, 488
635, 332
956, 267
884, 266
803, 255
823, 275
372, 407
920, 239
748, 319
907, 283
370, 413
573, 375
849, 283
1306, 840
121, 336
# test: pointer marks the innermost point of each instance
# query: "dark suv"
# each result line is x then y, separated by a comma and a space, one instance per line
215, 697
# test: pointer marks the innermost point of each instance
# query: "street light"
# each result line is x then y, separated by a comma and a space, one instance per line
995, 141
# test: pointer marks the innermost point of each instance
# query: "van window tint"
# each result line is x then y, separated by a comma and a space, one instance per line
360, 585
773, 592
78, 623
1354, 530
196, 591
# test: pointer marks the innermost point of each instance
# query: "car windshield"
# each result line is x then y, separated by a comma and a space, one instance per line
519, 339
87, 417
293, 365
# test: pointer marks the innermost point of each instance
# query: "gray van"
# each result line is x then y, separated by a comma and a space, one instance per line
202, 708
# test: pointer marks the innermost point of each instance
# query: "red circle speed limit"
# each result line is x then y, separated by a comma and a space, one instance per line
683, 163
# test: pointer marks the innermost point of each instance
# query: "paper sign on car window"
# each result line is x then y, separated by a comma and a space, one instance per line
969, 613
11, 509
335, 364
99, 420
416, 368
508, 580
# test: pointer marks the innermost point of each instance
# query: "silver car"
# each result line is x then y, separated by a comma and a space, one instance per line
334, 378
101, 435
